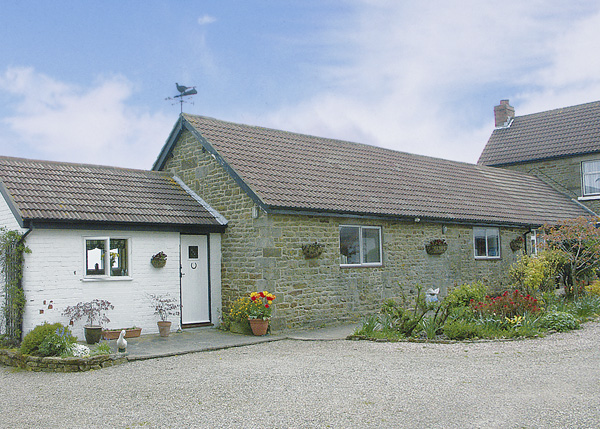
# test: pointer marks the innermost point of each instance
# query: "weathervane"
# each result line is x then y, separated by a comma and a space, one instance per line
184, 91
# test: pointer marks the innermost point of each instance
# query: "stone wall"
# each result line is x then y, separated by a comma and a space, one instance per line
58, 364
563, 174
264, 253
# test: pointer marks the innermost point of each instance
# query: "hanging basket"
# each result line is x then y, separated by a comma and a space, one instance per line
312, 250
158, 263
517, 244
436, 248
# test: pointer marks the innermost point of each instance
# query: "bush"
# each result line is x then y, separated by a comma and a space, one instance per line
463, 295
585, 307
56, 343
509, 304
593, 288
559, 321
35, 338
461, 329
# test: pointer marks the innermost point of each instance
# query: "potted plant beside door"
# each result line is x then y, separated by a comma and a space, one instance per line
164, 306
259, 312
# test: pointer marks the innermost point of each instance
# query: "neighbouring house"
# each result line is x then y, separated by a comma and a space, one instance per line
333, 228
93, 230
561, 147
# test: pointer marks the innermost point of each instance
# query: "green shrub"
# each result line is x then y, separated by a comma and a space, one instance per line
56, 343
33, 339
586, 307
461, 329
559, 321
103, 348
463, 295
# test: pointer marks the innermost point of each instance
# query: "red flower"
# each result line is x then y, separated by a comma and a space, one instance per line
266, 305
253, 298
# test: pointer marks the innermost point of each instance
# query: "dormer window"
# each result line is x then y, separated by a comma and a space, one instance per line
590, 174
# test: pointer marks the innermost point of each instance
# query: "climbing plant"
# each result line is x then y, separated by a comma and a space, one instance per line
12, 248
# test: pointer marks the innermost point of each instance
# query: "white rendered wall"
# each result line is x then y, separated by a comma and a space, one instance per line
215, 279
7, 219
54, 271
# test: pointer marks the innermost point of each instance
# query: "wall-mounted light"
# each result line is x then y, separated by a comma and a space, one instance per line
417, 219
255, 212
444, 229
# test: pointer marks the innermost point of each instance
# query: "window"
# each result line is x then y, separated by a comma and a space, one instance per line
360, 245
106, 257
533, 241
486, 242
590, 174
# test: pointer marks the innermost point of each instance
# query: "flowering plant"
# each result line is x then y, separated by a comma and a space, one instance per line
261, 305
160, 256
437, 242
507, 305
164, 306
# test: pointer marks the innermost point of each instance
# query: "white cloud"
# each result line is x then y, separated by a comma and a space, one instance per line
61, 121
423, 77
206, 19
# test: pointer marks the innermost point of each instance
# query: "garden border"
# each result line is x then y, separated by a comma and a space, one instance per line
57, 364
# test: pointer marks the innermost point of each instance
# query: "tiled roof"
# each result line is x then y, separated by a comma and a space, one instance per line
562, 132
300, 172
54, 191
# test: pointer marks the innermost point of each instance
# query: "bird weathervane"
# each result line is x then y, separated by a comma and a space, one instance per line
184, 91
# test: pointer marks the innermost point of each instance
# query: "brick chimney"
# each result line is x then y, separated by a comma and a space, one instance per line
503, 114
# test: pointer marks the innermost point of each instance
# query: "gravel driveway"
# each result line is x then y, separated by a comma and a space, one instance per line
548, 382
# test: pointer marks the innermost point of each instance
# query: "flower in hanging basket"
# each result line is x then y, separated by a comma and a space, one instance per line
262, 305
517, 243
312, 250
159, 260
436, 247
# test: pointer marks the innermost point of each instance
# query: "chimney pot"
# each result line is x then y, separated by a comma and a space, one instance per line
503, 114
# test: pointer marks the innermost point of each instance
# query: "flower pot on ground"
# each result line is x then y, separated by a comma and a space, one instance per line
93, 311
113, 334
164, 306
92, 334
259, 313
164, 328
259, 326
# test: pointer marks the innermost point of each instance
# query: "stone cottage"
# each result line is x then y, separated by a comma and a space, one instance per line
561, 147
371, 214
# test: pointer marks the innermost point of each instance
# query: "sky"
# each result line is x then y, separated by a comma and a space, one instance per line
89, 82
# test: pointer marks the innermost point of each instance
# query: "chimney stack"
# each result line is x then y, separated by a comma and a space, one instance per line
503, 114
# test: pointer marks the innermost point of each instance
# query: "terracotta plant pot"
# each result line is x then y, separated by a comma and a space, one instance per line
259, 326
113, 334
164, 328
92, 334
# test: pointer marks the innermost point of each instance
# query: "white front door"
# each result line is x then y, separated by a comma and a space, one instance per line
195, 295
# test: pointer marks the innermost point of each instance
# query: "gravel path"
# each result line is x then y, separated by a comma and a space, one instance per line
548, 382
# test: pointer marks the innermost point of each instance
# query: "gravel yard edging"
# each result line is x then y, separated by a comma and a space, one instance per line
57, 364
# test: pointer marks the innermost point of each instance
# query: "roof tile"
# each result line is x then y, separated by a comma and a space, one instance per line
296, 171
54, 191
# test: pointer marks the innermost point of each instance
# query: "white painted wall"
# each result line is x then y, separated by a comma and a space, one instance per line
54, 271
7, 219
216, 311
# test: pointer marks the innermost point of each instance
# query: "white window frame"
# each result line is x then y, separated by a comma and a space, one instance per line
109, 276
487, 232
533, 242
360, 244
585, 195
